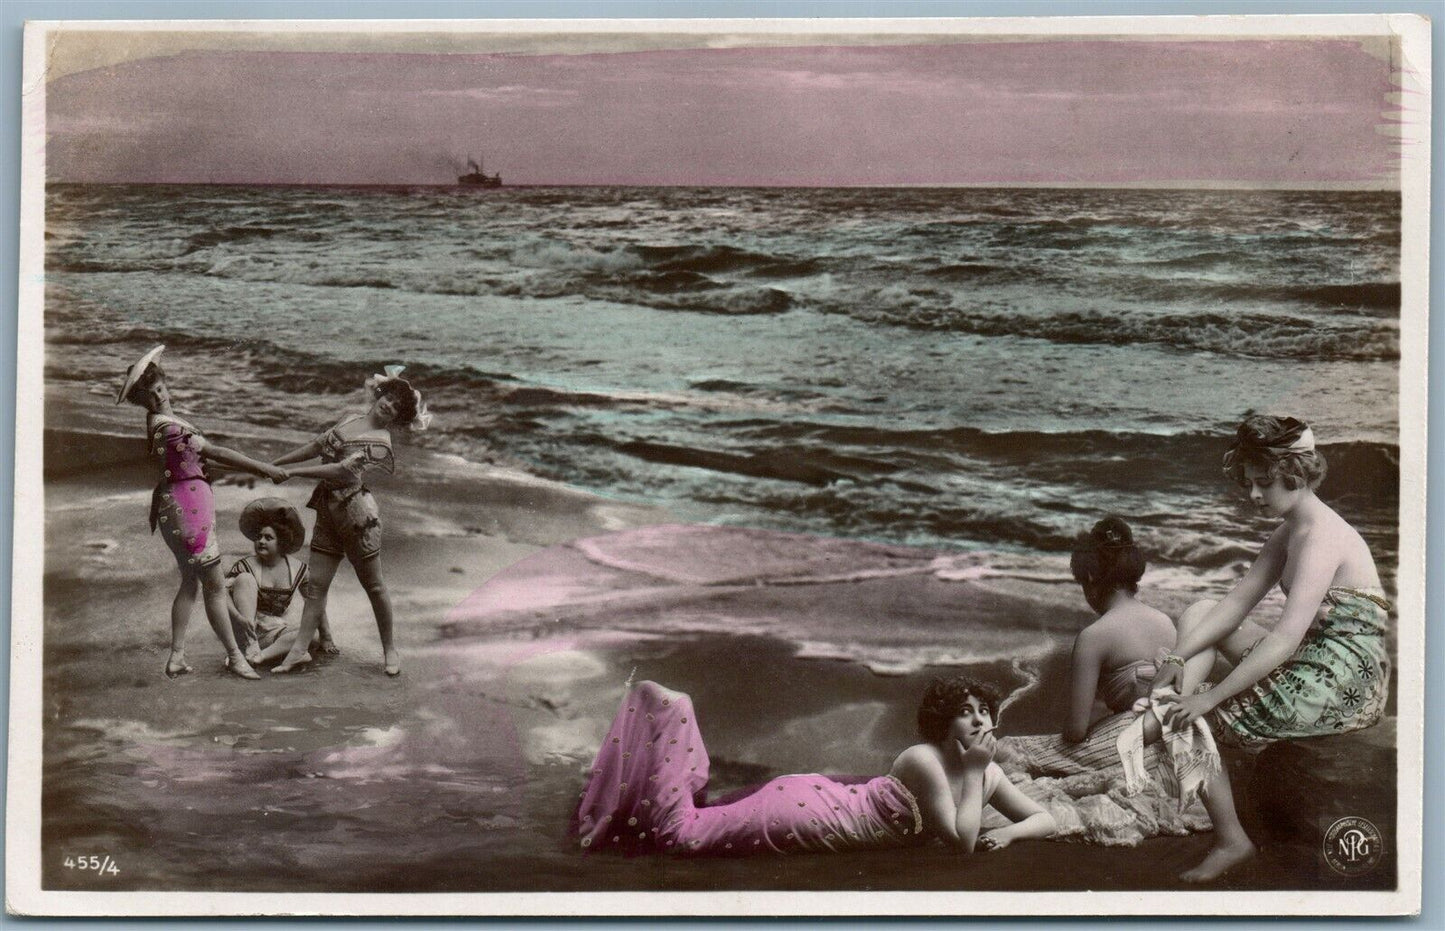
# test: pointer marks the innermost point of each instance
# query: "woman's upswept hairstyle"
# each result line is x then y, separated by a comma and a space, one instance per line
943, 701
1107, 558
1281, 447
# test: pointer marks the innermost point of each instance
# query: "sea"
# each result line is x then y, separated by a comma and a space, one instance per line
959, 369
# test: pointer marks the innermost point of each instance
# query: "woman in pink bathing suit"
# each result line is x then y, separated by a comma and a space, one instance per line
646, 791
184, 511
348, 521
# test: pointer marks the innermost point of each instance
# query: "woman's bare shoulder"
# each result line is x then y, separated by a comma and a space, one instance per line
918, 759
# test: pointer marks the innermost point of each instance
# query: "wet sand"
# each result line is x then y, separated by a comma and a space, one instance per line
461, 774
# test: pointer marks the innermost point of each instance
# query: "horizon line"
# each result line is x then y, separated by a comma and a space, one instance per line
1380, 187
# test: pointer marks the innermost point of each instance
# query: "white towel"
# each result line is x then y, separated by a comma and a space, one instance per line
1192, 754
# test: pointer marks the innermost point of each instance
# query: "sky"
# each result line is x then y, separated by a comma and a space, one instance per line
1300, 113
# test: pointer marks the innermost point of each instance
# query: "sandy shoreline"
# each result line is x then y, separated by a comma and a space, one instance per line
460, 775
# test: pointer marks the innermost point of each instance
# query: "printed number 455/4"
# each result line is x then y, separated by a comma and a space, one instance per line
96, 864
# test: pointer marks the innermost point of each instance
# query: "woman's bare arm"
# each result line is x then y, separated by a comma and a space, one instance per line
1083, 683
327, 472
1029, 818
300, 454
236, 460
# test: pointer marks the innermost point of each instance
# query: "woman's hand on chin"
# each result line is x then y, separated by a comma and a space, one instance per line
981, 753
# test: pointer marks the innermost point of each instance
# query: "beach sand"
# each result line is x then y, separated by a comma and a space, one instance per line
516, 644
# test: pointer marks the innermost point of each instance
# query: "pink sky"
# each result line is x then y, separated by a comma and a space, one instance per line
1073, 112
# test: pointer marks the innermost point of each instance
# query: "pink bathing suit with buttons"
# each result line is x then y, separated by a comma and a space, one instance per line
183, 508
645, 795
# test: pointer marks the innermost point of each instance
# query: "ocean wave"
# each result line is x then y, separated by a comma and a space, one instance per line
229, 234
1262, 335
1381, 298
976, 271
712, 259
1096, 458
813, 468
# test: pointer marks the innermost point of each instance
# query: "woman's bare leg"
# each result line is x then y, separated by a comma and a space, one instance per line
181, 607
369, 572
320, 570
244, 594
325, 643
1232, 845
278, 648
218, 612
1233, 646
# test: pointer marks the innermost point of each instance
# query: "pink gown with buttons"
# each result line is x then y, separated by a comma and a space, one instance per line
646, 794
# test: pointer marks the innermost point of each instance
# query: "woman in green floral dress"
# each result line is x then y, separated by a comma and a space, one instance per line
1323, 668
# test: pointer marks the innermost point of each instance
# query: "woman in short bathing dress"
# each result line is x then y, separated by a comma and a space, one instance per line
647, 784
1324, 667
348, 522
1112, 663
183, 509
264, 585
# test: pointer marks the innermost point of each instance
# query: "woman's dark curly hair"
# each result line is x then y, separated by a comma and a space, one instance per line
403, 395
1106, 557
1267, 444
943, 701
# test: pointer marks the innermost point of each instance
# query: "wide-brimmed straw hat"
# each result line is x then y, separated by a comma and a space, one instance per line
279, 515
134, 373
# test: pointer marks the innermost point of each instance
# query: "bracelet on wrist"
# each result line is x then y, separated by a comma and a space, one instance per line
1173, 659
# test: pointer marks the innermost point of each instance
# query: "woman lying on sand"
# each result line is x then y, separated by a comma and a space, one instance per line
263, 585
1323, 669
184, 510
652, 768
348, 522
1112, 663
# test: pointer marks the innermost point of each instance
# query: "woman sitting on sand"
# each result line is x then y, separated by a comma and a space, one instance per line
1112, 663
183, 508
1324, 667
643, 795
348, 522
263, 585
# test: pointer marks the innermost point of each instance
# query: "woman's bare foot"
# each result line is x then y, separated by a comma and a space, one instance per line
329, 647
236, 665
393, 663
292, 663
177, 665
1221, 859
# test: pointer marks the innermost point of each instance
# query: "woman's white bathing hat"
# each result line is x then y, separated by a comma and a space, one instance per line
134, 373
